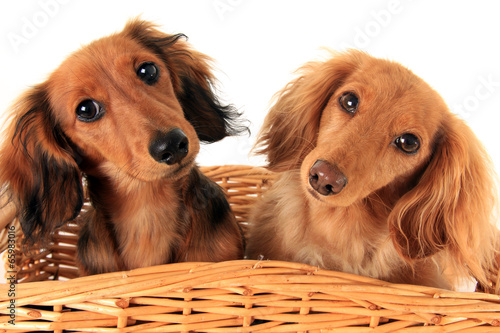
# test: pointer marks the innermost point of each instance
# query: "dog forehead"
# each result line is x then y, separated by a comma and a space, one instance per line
389, 88
386, 79
105, 56
392, 100
97, 70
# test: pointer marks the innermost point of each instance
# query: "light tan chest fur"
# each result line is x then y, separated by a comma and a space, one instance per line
345, 239
146, 227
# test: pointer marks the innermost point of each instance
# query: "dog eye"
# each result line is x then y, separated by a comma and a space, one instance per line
408, 143
89, 110
148, 72
349, 102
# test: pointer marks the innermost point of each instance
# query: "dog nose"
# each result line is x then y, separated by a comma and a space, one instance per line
170, 148
326, 179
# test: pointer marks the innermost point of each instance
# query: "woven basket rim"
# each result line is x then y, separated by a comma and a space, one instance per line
281, 296
240, 295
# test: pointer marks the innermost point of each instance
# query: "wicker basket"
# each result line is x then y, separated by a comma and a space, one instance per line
233, 296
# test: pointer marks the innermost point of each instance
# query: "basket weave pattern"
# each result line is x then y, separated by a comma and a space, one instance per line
233, 296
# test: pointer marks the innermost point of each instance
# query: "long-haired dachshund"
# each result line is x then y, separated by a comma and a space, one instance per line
378, 177
124, 116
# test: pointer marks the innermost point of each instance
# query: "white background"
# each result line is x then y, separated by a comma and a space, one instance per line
257, 44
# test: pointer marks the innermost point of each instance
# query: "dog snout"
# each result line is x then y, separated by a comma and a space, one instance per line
326, 179
170, 148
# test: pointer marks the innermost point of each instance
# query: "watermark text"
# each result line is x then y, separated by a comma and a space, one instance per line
33, 24
11, 274
487, 86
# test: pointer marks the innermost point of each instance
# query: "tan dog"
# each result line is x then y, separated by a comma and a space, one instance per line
378, 177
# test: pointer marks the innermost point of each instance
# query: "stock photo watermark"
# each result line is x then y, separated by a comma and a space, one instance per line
31, 25
11, 274
380, 20
223, 7
487, 87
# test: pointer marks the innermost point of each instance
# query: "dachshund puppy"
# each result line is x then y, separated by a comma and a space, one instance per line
124, 116
377, 177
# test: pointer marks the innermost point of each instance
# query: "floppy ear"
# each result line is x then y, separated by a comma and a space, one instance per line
193, 82
452, 205
290, 129
37, 171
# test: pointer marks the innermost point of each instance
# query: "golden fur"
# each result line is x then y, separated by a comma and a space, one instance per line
146, 209
395, 215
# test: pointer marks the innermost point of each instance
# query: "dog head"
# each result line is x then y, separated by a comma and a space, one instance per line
357, 127
138, 102
131, 106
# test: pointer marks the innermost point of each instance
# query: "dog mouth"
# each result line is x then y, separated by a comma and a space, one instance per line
159, 172
182, 169
314, 194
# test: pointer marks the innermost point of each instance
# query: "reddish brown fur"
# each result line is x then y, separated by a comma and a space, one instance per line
143, 212
401, 217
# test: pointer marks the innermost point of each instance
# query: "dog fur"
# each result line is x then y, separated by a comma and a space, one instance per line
350, 198
124, 116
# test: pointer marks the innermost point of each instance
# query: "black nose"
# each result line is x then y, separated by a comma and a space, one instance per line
326, 179
170, 147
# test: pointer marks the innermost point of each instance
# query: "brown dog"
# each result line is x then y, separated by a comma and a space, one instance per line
125, 114
378, 177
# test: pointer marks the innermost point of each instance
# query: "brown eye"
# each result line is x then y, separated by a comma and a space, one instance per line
349, 102
148, 72
89, 110
408, 143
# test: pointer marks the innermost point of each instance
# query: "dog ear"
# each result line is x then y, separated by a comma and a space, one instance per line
290, 129
452, 205
211, 119
37, 170
193, 82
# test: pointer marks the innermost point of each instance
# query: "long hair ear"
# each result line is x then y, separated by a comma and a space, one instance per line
290, 129
193, 81
37, 170
452, 207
